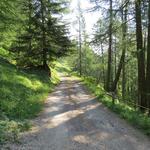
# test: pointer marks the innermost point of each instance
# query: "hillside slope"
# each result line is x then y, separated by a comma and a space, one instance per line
22, 93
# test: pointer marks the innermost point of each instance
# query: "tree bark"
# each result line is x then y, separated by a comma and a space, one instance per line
30, 14
109, 67
122, 59
140, 56
148, 59
43, 35
103, 63
80, 39
80, 49
44, 49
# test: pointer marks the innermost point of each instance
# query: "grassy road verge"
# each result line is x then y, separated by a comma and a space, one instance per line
22, 95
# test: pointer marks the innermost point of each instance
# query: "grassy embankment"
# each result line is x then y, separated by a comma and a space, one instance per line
22, 95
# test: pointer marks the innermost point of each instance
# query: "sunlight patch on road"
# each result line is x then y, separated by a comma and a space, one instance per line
66, 116
54, 108
89, 139
62, 118
90, 107
81, 139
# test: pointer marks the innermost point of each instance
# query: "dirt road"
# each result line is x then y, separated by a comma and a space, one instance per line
73, 120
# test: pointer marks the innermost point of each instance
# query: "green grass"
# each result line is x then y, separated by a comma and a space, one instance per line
22, 95
136, 118
62, 67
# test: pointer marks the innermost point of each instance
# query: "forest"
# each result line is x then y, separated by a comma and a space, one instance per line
37, 45
120, 61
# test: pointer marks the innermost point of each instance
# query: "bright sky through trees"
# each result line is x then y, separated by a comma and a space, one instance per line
90, 17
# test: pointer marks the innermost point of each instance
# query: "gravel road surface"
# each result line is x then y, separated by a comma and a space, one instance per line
72, 119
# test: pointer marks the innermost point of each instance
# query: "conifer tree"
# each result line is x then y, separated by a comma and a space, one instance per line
44, 36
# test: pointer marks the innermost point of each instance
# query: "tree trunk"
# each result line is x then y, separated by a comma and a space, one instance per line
109, 67
43, 35
124, 44
44, 49
123, 81
140, 56
115, 51
148, 60
80, 50
30, 13
80, 38
103, 64
121, 63
114, 85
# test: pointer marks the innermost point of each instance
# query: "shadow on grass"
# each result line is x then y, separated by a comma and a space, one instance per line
22, 92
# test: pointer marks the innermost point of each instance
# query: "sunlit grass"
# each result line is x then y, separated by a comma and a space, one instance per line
22, 95
63, 67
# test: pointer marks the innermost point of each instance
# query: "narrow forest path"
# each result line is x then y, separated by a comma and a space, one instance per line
73, 120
